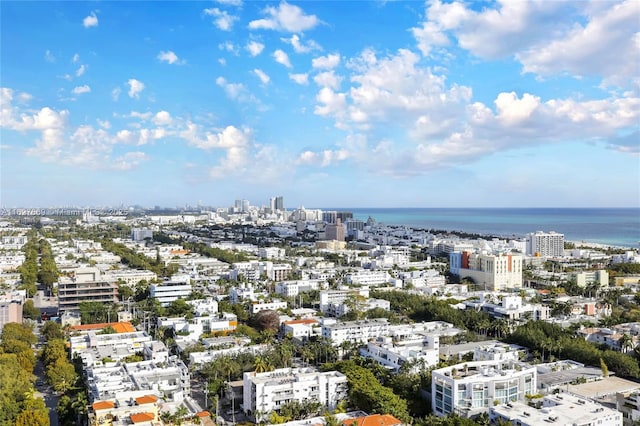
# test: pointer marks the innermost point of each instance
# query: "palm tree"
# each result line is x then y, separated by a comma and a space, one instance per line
625, 342
261, 364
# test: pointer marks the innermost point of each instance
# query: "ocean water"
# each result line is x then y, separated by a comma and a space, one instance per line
611, 226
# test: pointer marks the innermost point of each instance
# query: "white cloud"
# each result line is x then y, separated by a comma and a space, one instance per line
255, 48
236, 3
115, 93
229, 47
302, 79
236, 91
299, 46
129, 161
512, 110
326, 62
135, 87
264, 78
285, 17
80, 71
48, 56
331, 103
140, 115
222, 20
162, 118
90, 21
75, 59
282, 58
78, 90
323, 158
328, 79
105, 124
24, 97
169, 57
608, 45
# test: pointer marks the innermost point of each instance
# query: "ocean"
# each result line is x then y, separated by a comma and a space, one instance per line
610, 226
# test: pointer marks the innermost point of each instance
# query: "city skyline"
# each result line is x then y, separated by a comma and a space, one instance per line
369, 104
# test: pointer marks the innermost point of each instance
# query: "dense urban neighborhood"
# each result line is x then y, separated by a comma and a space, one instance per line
267, 315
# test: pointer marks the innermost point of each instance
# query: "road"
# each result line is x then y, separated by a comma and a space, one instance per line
45, 392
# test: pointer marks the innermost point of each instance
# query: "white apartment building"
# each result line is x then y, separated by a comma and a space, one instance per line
387, 353
510, 307
131, 277
267, 392
294, 288
470, 388
267, 306
335, 297
93, 347
584, 278
628, 403
368, 278
545, 244
562, 409
494, 272
271, 252
355, 331
169, 291
191, 330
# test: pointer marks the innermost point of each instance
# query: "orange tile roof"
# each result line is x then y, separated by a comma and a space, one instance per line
203, 414
103, 405
119, 327
147, 399
142, 417
179, 252
373, 420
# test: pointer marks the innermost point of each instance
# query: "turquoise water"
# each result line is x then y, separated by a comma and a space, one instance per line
612, 226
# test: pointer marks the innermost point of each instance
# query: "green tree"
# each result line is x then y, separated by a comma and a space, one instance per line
61, 375
52, 330
30, 311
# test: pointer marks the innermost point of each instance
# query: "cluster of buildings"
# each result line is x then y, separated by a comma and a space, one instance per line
133, 378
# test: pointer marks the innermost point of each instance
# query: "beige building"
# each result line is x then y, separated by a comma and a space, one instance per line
11, 307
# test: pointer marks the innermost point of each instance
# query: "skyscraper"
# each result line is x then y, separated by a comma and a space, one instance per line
545, 244
279, 203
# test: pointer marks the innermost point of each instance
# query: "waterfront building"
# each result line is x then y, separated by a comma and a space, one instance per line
545, 244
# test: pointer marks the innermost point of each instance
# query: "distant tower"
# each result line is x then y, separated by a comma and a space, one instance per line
272, 204
546, 244
279, 203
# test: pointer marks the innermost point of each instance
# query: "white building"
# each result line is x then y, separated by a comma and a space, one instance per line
494, 272
368, 278
545, 244
271, 253
267, 392
169, 291
584, 278
131, 277
294, 288
470, 388
355, 331
560, 409
267, 306
335, 297
387, 353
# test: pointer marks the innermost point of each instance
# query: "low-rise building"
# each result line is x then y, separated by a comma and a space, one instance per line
355, 331
470, 388
85, 285
267, 392
561, 409
393, 356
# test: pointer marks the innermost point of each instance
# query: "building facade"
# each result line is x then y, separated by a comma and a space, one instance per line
269, 391
468, 389
545, 244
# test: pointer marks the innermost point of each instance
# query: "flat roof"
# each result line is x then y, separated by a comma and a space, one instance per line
606, 386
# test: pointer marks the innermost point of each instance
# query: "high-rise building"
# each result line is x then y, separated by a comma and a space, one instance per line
272, 204
545, 244
329, 216
279, 204
334, 231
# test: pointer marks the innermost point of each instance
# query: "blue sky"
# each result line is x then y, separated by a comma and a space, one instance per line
350, 103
